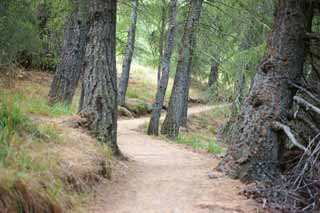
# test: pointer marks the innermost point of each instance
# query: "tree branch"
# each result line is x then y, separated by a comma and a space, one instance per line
306, 104
301, 88
287, 131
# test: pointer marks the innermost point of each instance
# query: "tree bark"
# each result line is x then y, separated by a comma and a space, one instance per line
68, 70
124, 79
99, 104
165, 61
255, 145
161, 39
177, 101
239, 91
184, 116
213, 76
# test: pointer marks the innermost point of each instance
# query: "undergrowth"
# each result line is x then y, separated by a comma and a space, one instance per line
199, 144
20, 141
33, 98
203, 129
28, 165
143, 85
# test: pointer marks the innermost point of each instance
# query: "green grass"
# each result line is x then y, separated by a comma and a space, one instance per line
203, 128
200, 145
30, 152
18, 133
23, 151
215, 148
31, 102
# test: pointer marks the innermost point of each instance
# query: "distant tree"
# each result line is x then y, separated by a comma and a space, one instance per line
165, 61
178, 99
124, 79
213, 76
99, 104
68, 71
255, 142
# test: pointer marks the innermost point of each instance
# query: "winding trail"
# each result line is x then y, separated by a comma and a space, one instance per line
163, 177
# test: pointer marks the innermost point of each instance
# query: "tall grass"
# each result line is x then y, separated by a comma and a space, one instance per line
20, 140
29, 102
13, 123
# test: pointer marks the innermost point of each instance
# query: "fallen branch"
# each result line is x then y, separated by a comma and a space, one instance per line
287, 131
306, 104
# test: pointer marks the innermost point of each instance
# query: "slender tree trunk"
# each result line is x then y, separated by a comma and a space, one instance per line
177, 101
165, 61
161, 40
238, 91
99, 107
255, 145
184, 116
213, 76
68, 70
124, 79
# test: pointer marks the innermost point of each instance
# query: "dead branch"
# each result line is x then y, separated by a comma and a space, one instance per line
288, 132
306, 104
303, 118
306, 91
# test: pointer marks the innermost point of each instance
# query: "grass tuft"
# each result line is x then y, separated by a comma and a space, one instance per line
200, 145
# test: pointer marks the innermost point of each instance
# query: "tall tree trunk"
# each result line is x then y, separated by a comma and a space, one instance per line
255, 144
99, 107
184, 116
124, 79
238, 92
165, 61
161, 40
213, 76
177, 101
68, 70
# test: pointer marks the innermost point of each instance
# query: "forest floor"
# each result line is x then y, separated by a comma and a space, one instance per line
160, 175
166, 178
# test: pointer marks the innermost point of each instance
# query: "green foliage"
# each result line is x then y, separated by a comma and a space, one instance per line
237, 42
23, 39
18, 31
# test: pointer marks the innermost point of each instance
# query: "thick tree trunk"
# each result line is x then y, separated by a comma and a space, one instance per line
124, 79
213, 76
68, 70
99, 104
255, 145
165, 61
177, 101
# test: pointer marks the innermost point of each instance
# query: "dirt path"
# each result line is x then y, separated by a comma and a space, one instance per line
162, 177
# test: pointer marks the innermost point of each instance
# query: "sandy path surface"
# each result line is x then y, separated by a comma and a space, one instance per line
163, 177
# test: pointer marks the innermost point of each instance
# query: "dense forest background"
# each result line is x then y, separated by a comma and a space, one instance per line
231, 34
